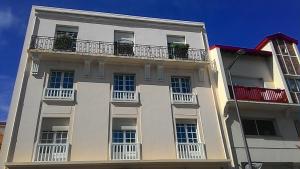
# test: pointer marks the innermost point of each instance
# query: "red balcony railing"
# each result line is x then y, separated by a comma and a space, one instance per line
259, 94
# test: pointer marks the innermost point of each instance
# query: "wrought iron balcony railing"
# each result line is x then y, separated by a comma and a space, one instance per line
259, 94
115, 48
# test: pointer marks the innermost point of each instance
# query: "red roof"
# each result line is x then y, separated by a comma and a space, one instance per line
275, 36
234, 49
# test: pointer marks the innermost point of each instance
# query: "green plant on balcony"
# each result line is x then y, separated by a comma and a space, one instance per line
123, 48
65, 43
178, 50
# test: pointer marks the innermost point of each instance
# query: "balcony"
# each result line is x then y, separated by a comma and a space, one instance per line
125, 96
183, 98
52, 44
190, 151
58, 94
125, 151
52, 152
259, 94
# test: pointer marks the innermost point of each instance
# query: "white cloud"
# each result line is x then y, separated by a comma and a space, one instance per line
7, 18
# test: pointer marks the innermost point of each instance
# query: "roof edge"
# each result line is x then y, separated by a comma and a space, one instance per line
234, 49
282, 36
117, 16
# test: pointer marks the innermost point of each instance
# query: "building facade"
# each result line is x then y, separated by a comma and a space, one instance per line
2, 128
266, 85
98, 90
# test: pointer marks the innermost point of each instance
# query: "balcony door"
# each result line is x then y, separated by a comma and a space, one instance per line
123, 43
188, 145
65, 38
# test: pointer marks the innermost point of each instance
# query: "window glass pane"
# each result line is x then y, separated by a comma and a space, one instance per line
290, 49
282, 47
181, 134
175, 39
295, 62
47, 137
117, 136
289, 65
54, 79
122, 36
68, 80
185, 84
292, 85
276, 46
281, 62
175, 85
61, 136
266, 127
249, 127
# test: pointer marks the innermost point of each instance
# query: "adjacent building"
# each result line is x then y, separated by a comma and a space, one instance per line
99, 90
266, 84
2, 127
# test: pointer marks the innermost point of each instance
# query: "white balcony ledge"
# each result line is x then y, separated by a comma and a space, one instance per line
125, 151
183, 98
52, 152
59, 94
125, 96
190, 151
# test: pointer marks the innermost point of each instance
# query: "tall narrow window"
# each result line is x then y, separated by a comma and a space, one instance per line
61, 79
124, 82
124, 43
65, 38
177, 48
53, 142
186, 133
181, 84
124, 140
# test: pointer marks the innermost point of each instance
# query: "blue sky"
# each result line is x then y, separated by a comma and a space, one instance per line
231, 22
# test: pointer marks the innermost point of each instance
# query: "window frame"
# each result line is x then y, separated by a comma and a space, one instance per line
124, 136
278, 52
124, 76
54, 137
62, 78
258, 132
180, 81
187, 133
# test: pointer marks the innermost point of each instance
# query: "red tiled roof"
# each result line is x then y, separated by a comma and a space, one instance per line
248, 51
275, 36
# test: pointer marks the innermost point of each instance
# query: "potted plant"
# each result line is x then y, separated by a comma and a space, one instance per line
123, 48
178, 50
65, 43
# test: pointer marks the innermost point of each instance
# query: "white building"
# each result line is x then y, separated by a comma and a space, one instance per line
98, 90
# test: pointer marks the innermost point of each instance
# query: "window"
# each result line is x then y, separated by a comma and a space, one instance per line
186, 133
297, 125
177, 48
65, 38
61, 79
123, 43
181, 84
124, 136
54, 137
287, 58
124, 82
293, 84
69, 31
259, 127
